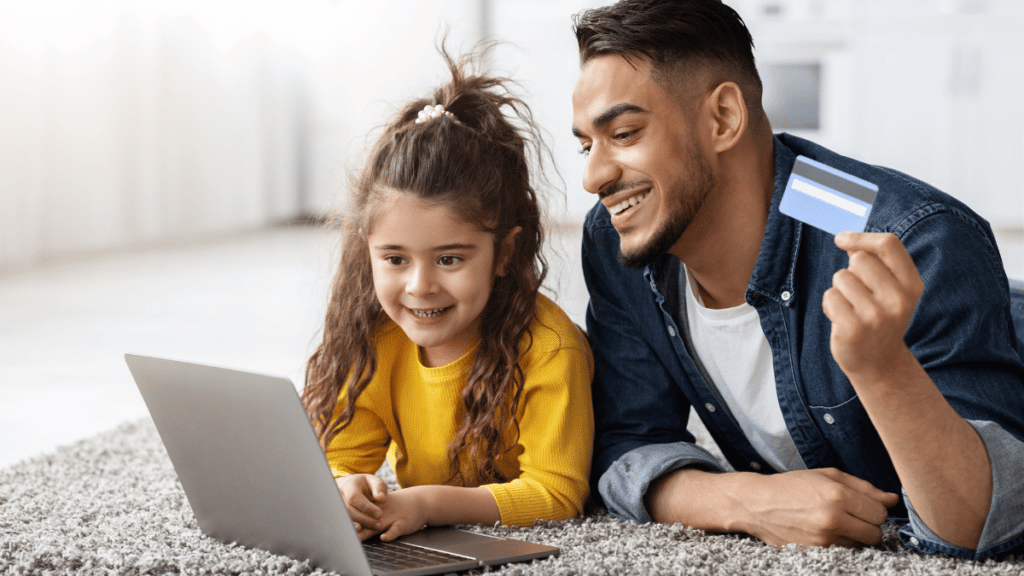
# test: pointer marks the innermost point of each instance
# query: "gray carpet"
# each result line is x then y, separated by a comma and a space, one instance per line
112, 505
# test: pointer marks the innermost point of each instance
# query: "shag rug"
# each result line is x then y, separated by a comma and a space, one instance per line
112, 504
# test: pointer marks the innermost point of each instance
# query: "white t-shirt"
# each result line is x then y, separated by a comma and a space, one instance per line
731, 345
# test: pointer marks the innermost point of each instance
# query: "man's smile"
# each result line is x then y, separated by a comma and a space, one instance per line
627, 203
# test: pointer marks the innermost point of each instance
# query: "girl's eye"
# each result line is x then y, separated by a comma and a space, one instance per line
448, 260
394, 260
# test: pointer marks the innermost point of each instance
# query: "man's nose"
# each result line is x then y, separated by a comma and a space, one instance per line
599, 170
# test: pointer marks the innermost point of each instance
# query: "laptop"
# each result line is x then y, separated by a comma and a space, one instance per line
254, 473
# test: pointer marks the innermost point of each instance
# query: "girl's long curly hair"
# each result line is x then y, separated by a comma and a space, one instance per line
477, 163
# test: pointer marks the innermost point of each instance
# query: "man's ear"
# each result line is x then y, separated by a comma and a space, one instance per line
508, 248
728, 116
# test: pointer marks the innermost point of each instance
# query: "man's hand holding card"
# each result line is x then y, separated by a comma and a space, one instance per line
872, 300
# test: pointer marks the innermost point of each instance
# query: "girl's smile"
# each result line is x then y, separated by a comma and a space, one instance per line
428, 314
432, 273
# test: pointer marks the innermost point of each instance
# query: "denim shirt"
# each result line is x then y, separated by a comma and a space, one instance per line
647, 376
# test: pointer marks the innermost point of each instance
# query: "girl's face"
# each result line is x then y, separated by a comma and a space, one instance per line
433, 274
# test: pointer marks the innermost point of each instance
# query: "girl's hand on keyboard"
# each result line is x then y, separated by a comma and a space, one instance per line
405, 512
364, 495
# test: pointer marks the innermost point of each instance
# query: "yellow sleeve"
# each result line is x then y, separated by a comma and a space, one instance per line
556, 436
361, 446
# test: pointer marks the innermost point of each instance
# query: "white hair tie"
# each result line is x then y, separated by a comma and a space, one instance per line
430, 112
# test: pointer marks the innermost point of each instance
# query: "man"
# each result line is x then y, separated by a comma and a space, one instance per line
846, 378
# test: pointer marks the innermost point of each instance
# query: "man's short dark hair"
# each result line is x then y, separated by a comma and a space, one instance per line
674, 35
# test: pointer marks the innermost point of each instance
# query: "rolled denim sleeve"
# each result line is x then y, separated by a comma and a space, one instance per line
1004, 527
625, 483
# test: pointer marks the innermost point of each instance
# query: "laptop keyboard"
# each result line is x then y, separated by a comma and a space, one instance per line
402, 556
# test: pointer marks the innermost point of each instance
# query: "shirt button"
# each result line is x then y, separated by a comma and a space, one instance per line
915, 541
672, 332
755, 465
786, 295
710, 407
830, 419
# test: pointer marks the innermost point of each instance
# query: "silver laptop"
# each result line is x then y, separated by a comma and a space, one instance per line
254, 473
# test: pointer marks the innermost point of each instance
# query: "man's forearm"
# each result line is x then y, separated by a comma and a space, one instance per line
940, 459
806, 507
698, 499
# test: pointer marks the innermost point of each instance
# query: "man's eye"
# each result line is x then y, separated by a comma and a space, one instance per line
585, 151
625, 135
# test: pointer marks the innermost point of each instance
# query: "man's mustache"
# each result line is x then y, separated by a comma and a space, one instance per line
616, 187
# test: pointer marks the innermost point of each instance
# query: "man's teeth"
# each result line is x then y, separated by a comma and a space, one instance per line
626, 204
428, 313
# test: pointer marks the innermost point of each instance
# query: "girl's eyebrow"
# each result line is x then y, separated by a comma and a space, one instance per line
455, 247
438, 248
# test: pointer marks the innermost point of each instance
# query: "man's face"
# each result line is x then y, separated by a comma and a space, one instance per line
643, 159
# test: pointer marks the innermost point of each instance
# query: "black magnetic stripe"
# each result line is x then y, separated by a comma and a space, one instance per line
815, 174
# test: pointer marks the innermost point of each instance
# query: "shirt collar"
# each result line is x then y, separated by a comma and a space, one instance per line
775, 269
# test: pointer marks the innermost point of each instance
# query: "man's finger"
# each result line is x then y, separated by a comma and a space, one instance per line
863, 486
854, 290
888, 248
872, 272
861, 532
867, 502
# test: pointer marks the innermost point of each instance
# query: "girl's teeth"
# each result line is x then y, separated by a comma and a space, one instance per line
428, 313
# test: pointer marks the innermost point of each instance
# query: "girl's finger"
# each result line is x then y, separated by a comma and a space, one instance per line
378, 489
394, 531
364, 521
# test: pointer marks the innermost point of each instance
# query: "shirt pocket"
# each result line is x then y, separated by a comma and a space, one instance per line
854, 441
846, 421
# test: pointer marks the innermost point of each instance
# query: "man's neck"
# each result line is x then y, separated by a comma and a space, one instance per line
721, 246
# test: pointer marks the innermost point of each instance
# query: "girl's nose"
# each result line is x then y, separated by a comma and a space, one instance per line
422, 282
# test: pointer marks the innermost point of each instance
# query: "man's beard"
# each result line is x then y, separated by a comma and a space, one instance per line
685, 201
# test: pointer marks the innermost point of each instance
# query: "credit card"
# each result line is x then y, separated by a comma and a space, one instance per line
826, 198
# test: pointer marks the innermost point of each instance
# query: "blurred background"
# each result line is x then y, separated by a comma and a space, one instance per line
163, 162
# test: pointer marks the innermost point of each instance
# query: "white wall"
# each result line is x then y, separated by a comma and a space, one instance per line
126, 122
131, 123
929, 87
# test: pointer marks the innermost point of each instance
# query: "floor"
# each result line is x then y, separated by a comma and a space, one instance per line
253, 302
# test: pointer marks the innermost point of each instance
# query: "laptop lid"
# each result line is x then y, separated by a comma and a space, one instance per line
253, 471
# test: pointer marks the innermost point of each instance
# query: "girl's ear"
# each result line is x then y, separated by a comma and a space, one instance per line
508, 248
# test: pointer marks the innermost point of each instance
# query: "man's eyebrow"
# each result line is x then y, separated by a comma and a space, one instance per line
608, 115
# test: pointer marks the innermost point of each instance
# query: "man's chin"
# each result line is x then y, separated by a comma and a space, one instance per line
640, 258
644, 253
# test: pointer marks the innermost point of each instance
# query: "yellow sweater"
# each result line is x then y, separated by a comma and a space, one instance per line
409, 413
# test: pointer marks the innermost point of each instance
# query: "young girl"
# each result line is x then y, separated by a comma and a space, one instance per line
438, 351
